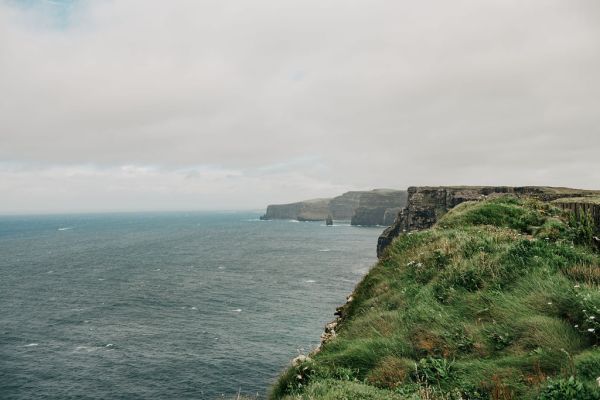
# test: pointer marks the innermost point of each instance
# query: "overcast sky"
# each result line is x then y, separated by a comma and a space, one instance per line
190, 104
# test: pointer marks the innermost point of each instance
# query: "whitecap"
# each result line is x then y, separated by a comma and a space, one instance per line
66, 228
237, 310
325, 250
309, 281
110, 345
194, 308
293, 220
31, 345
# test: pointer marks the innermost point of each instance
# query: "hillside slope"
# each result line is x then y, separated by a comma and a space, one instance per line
499, 300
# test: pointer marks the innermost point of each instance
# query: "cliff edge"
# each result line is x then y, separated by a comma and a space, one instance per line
495, 299
426, 205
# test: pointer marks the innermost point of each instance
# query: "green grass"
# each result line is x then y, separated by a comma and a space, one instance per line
497, 301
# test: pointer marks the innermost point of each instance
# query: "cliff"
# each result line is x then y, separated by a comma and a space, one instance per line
426, 204
308, 210
374, 205
497, 300
582, 205
361, 207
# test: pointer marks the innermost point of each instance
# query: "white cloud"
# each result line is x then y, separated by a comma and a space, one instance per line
384, 93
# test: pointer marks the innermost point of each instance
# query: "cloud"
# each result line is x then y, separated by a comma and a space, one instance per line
388, 93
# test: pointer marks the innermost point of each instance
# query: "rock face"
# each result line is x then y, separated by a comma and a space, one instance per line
343, 207
309, 210
426, 204
366, 216
361, 207
582, 205
389, 217
373, 206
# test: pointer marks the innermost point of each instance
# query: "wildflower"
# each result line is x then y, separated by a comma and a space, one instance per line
549, 303
592, 317
576, 326
576, 286
592, 330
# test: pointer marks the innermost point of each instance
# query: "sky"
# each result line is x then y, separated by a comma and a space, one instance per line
138, 105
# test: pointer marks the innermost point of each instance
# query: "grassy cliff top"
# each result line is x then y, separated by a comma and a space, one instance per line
500, 300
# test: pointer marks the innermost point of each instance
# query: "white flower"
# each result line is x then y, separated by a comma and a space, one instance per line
576, 326
592, 317
576, 286
591, 330
549, 303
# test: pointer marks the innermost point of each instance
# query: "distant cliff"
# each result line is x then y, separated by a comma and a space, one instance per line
308, 210
374, 207
426, 205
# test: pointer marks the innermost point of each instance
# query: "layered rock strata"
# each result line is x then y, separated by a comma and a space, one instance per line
375, 207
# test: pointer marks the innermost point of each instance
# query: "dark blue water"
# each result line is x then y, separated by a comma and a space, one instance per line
165, 306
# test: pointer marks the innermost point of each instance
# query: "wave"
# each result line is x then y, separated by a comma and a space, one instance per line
237, 310
31, 345
324, 250
66, 228
309, 281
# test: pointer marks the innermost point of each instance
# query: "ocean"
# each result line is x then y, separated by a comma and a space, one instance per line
166, 305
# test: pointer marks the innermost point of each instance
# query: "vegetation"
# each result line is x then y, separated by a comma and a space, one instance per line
500, 300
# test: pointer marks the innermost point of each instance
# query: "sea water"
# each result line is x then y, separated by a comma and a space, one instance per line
166, 305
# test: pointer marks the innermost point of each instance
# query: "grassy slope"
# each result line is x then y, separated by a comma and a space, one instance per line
488, 304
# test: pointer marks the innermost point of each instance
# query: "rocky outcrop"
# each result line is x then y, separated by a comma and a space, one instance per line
361, 207
426, 205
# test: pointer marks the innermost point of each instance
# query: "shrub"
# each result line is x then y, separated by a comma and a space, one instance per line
587, 364
433, 370
582, 228
567, 389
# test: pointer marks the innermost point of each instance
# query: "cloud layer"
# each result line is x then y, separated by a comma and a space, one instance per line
292, 99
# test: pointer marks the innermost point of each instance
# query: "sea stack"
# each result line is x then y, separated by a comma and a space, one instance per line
329, 220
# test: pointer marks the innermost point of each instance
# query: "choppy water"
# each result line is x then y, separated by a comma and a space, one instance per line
165, 306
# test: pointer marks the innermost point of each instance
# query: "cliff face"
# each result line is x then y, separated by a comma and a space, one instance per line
375, 207
426, 205
582, 205
343, 207
309, 210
